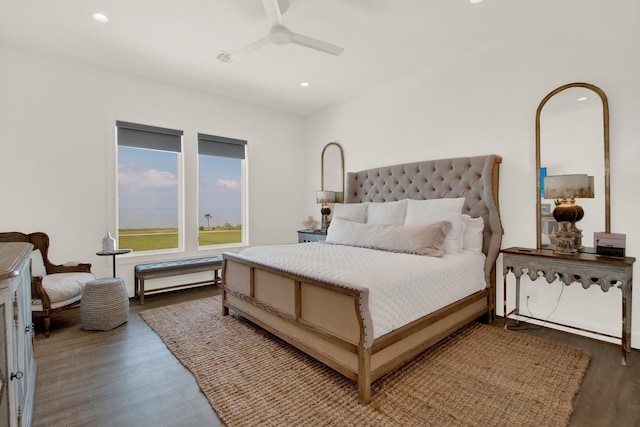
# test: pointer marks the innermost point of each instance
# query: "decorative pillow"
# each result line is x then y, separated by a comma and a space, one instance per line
421, 239
37, 264
355, 212
387, 212
421, 212
473, 235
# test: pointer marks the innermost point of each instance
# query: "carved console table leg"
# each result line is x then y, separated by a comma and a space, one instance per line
504, 298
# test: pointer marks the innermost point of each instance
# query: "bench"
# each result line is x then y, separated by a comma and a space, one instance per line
174, 268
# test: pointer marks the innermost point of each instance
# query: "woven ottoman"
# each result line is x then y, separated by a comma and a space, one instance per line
104, 305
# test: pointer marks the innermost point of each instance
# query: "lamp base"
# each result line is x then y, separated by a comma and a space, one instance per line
565, 241
324, 224
325, 211
577, 236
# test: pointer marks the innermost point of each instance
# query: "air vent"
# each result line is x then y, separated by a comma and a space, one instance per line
224, 56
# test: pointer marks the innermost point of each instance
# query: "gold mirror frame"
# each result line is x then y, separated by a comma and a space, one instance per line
339, 195
605, 119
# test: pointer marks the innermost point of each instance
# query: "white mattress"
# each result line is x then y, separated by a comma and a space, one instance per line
402, 287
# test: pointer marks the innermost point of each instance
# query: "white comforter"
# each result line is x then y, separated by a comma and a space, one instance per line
402, 287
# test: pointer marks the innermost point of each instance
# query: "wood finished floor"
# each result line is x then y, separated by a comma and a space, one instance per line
127, 377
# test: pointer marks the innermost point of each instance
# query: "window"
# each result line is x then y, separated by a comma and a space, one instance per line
220, 190
149, 187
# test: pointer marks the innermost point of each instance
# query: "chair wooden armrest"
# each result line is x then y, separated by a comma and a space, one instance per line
79, 268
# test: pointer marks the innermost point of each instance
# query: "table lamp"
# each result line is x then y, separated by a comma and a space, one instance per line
324, 198
565, 189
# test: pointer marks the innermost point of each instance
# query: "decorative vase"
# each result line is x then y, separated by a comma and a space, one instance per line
108, 243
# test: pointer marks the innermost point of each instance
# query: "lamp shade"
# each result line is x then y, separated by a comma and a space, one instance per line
578, 186
325, 197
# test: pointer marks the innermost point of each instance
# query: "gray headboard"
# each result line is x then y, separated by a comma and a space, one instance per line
474, 178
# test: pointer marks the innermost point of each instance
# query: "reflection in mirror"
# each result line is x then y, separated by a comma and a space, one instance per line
572, 137
332, 162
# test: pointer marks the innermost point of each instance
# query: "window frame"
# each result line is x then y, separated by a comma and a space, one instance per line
229, 148
164, 144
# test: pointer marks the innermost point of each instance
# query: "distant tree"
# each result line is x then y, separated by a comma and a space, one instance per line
208, 216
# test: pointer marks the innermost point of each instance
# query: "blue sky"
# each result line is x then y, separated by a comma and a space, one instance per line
148, 189
220, 190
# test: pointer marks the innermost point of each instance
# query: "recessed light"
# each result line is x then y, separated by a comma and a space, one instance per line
583, 98
475, 1
100, 17
305, 84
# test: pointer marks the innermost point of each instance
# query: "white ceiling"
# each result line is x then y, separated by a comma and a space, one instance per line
177, 41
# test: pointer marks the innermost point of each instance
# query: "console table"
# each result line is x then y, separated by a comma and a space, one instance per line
585, 268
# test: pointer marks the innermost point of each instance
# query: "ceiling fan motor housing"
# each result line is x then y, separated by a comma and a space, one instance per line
280, 35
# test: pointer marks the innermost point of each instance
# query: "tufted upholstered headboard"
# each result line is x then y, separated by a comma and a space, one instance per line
474, 178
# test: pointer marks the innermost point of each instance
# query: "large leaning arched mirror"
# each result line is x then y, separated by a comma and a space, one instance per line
331, 183
572, 137
332, 170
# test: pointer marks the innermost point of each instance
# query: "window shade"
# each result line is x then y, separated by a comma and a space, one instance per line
150, 137
221, 146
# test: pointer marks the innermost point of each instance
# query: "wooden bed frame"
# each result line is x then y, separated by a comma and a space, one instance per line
332, 323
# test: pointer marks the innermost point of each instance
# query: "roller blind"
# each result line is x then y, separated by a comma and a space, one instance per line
150, 137
220, 146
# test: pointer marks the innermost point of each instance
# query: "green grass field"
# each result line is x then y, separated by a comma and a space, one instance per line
149, 239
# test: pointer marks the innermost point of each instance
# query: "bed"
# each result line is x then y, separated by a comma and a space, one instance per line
333, 313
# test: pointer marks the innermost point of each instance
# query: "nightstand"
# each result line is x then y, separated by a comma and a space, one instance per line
310, 235
585, 268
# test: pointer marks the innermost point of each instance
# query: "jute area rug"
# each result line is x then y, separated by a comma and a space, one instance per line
481, 376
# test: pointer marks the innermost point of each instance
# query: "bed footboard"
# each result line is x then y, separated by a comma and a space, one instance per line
328, 322
332, 323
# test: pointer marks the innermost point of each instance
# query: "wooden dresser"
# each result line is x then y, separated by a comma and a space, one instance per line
17, 364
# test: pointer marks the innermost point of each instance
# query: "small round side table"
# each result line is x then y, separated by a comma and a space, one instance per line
114, 254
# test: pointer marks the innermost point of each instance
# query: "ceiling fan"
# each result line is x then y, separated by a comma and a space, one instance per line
280, 35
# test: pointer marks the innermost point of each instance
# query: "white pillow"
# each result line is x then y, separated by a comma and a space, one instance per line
387, 212
355, 212
37, 264
420, 240
420, 212
473, 233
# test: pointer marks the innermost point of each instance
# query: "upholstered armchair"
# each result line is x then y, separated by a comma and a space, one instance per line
53, 287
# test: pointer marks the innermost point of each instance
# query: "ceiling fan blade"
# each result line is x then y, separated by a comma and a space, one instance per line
229, 57
273, 12
250, 48
316, 44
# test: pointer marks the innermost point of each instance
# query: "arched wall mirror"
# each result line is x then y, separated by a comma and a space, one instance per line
572, 137
332, 170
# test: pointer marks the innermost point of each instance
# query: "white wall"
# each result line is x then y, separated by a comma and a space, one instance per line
486, 103
58, 148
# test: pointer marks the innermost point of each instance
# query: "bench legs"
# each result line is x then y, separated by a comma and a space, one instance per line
141, 292
138, 289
